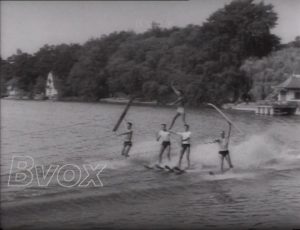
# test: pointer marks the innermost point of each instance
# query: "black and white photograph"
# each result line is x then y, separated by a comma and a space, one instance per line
150, 115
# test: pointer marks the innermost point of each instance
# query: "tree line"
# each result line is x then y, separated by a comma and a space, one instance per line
203, 60
273, 69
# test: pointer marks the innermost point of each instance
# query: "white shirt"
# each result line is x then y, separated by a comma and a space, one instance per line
128, 136
185, 137
223, 144
164, 135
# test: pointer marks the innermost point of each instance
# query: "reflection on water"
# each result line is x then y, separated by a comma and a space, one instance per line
264, 190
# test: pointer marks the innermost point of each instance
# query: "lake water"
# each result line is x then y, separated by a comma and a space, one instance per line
263, 191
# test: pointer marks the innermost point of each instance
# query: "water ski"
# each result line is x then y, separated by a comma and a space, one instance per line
169, 168
224, 116
156, 166
123, 114
148, 167
178, 170
159, 167
218, 172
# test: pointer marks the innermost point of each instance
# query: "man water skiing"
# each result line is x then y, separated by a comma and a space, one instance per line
180, 102
223, 148
164, 135
127, 139
185, 145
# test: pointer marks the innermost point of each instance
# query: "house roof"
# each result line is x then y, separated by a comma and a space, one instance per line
293, 82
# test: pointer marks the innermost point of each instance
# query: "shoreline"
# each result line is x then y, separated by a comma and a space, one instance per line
241, 107
118, 101
115, 101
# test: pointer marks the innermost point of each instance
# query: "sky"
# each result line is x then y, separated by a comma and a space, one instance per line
28, 25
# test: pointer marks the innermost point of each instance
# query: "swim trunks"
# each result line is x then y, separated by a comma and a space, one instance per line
180, 110
127, 143
224, 153
166, 143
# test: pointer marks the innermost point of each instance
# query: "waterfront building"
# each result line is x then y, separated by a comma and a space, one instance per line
289, 90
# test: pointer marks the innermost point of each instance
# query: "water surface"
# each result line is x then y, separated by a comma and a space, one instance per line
262, 192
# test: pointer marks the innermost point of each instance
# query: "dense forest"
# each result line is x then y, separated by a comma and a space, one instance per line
215, 61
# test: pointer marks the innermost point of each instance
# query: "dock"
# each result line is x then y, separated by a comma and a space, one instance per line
272, 109
277, 109
264, 110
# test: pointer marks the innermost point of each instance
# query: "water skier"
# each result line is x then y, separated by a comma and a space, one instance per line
164, 135
180, 102
223, 143
185, 145
127, 139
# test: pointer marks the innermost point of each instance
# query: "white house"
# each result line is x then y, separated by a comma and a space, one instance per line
51, 91
289, 90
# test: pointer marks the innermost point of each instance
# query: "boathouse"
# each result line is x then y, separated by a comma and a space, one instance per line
288, 98
289, 90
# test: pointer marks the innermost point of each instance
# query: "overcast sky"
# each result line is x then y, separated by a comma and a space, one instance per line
28, 25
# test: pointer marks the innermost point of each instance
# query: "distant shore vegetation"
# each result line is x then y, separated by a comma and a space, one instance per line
232, 54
